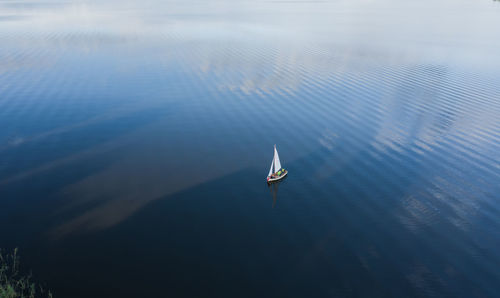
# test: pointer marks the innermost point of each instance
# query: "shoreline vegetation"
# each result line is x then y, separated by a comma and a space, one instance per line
15, 285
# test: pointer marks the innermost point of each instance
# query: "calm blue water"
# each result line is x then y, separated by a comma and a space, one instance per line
136, 136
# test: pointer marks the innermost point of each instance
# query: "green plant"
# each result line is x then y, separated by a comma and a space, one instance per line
14, 285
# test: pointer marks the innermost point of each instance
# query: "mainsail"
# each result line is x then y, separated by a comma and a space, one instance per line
277, 164
271, 169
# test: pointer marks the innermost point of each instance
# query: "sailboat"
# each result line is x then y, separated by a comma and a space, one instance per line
276, 172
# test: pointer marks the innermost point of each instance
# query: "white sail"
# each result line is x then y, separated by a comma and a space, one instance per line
271, 169
277, 164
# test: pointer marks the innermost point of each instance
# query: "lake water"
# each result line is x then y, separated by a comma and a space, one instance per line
136, 136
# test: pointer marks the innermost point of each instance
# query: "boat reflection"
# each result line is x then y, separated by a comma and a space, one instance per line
273, 188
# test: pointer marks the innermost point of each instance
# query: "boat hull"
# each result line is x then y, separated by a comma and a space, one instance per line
271, 180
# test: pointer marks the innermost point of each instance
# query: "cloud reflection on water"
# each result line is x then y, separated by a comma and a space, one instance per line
257, 51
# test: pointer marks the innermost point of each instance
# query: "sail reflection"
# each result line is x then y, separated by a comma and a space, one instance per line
273, 188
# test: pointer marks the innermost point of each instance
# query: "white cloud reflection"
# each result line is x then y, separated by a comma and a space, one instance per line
257, 48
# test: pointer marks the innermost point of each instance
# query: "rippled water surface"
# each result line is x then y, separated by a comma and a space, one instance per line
136, 136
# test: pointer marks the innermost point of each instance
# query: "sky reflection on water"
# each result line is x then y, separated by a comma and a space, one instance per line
125, 121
